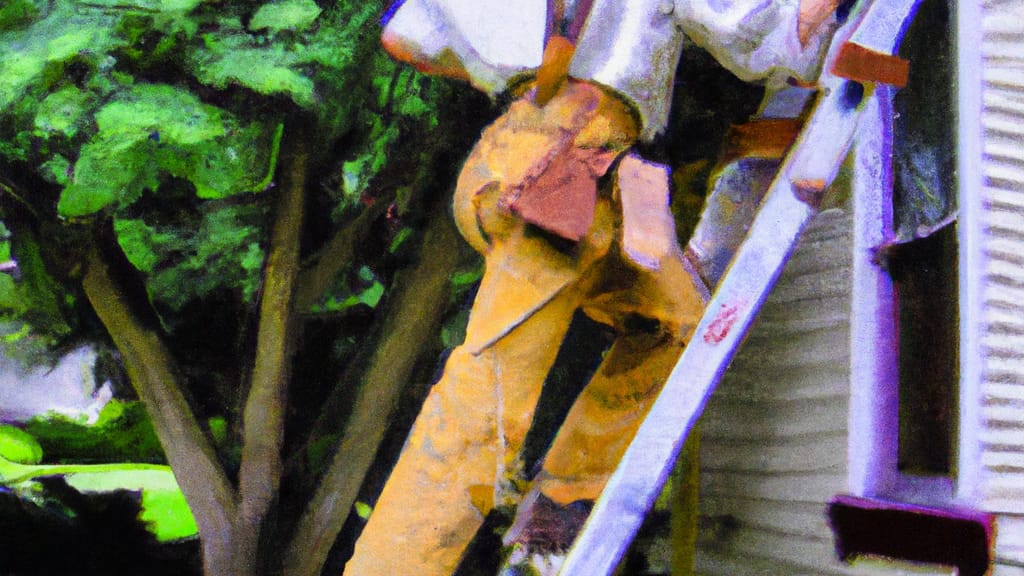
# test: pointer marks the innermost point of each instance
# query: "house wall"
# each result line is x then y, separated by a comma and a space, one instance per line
774, 434
1001, 439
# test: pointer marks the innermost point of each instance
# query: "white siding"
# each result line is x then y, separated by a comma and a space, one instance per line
1010, 540
1002, 221
773, 437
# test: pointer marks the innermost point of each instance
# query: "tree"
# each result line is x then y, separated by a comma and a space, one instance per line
246, 205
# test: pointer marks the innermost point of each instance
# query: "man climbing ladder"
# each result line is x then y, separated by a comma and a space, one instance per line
554, 241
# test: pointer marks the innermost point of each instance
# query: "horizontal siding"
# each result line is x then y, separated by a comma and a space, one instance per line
1005, 269
1000, 363
1004, 249
755, 556
805, 383
1002, 341
797, 320
751, 565
1007, 461
999, 199
1004, 172
788, 554
811, 487
1003, 322
1002, 491
773, 438
1009, 297
997, 436
714, 562
781, 455
1001, 416
790, 418
998, 393
1001, 123
805, 374
1010, 544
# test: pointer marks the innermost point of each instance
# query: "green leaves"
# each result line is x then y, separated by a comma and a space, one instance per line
177, 102
106, 136
108, 170
63, 111
236, 59
140, 243
366, 290
154, 129
36, 297
288, 14
65, 34
149, 5
363, 510
9, 299
160, 112
19, 446
122, 433
186, 262
281, 64
17, 12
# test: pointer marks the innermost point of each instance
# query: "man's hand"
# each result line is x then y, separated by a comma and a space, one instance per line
813, 14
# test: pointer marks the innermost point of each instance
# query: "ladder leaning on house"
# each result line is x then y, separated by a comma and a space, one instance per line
861, 56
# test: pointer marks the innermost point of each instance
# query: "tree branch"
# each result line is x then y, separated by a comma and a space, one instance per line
153, 374
259, 476
419, 302
320, 271
9, 189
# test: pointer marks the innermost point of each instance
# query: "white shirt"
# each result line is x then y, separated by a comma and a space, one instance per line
631, 46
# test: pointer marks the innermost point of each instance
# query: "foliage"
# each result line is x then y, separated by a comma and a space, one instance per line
19, 446
48, 527
126, 105
163, 507
122, 433
289, 14
366, 290
223, 247
144, 146
34, 299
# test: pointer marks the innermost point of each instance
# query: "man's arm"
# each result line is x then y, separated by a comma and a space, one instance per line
490, 43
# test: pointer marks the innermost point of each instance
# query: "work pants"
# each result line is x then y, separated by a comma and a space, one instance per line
463, 455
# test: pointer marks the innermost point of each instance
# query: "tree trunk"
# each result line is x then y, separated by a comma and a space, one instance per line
229, 532
420, 300
190, 454
259, 476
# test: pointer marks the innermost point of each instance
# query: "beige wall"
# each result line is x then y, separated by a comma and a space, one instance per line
774, 435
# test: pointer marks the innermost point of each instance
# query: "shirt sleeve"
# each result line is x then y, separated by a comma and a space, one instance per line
755, 39
492, 41
632, 46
